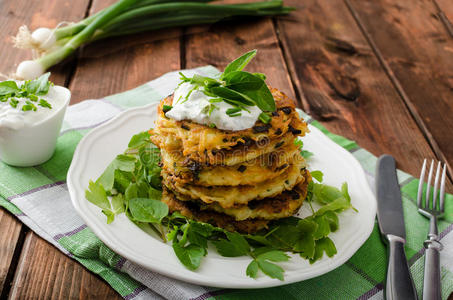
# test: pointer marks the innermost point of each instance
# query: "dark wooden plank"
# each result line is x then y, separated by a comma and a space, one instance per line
228, 40
343, 84
103, 68
9, 236
445, 14
123, 63
14, 14
46, 273
413, 43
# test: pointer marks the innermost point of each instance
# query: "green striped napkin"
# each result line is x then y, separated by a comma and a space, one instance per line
38, 197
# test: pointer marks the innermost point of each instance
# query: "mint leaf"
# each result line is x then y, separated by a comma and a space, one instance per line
318, 175
270, 269
147, 210
252, 269
223, 92
8, 87
243, 81
239, 63
39, 86
190, 256
139, 140
263, 98
96, 194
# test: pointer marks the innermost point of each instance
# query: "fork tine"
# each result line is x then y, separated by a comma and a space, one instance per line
428, 188
436, 186
442, 188
420, 184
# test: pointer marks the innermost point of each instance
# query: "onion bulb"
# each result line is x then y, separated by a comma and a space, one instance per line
29, 69
44, 37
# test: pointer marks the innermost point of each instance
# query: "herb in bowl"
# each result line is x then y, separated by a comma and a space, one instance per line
27, 93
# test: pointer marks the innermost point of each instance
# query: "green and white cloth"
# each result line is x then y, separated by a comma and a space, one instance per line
38, 196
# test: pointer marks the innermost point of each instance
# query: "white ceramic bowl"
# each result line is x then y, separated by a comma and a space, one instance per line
35, 144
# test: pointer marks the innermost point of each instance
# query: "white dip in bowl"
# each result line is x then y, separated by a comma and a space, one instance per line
28, 138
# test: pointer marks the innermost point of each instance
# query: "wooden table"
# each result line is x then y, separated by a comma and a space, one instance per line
376, 71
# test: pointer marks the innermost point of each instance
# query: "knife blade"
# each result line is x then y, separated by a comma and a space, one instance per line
399, 284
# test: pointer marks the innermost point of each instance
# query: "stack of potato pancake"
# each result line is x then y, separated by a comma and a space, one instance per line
237, 180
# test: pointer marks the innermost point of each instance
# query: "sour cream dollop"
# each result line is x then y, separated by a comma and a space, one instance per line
193, 108
15, 118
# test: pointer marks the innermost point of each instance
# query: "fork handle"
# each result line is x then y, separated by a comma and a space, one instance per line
399, 283
431, 281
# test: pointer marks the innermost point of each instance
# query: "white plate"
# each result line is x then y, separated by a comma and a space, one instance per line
100, 146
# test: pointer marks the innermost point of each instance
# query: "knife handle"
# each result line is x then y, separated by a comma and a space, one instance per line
399, 281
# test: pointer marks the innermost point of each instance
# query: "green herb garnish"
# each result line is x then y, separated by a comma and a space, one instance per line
131, 184
265, 118
30, 90
236, 87
166, 108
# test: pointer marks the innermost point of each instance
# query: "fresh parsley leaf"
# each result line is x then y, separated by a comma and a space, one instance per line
96, 194
274, 255
306, 242
270, 269
121, 162
323, 228
324, 194
109, 214
337, 205
239, 63
324, 245
148, 210
252, 269
306, 154
8, 87
139, 140
118, 204
236, 245
318, 175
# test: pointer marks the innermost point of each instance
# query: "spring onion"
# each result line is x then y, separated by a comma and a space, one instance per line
51, 46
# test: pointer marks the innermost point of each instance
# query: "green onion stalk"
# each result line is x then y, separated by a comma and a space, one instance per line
124, 17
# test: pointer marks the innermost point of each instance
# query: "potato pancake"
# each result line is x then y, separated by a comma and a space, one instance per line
192, 211
228, 196
281, 206
196, 139
251, 172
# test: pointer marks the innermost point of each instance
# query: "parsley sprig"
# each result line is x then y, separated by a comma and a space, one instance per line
29, 91
131, 184
236, 87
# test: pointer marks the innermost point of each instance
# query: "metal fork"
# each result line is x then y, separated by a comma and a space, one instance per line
432, 208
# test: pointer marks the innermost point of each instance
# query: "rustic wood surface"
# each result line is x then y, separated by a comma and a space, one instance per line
379, 72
